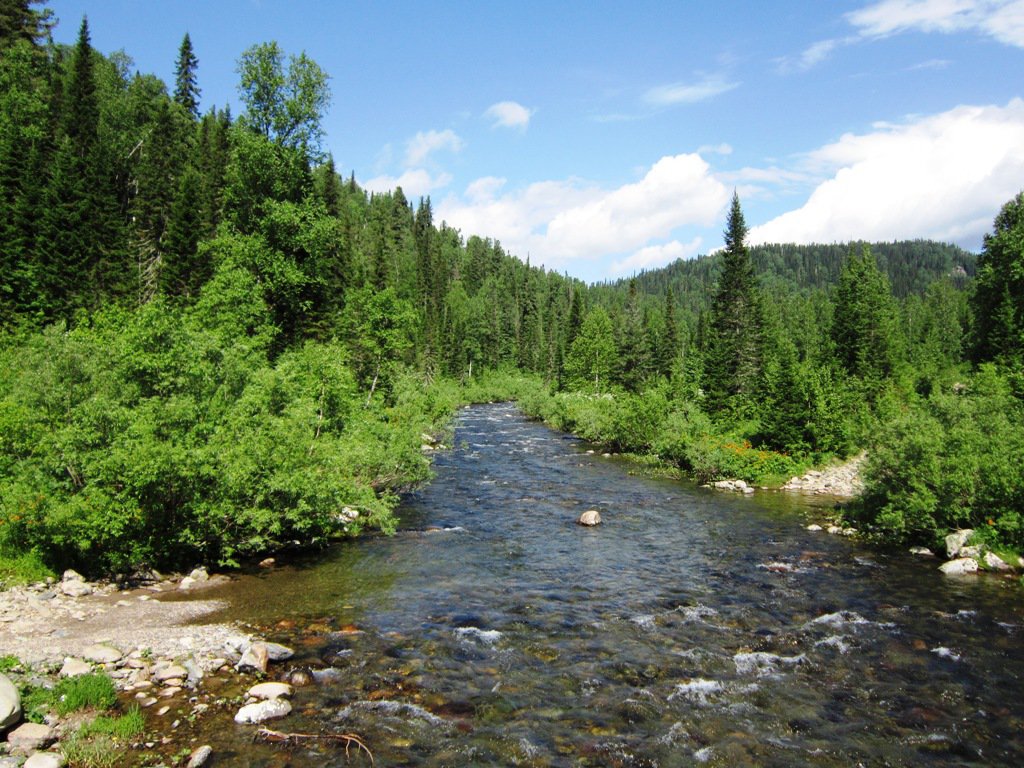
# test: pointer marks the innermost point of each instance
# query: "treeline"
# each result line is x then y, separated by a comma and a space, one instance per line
771, 376
215, 343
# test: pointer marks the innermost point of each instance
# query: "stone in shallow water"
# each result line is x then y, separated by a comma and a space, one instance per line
271, 691
263, 710
590, 517
958, 567
199, 757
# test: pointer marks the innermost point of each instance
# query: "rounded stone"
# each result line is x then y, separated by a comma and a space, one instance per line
271, 691
590, 517
263, 710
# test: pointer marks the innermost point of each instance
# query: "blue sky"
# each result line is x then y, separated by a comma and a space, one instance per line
602, 138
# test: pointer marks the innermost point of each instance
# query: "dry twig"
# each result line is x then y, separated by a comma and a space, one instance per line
291, 739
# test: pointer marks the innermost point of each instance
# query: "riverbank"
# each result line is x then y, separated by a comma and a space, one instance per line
150, 640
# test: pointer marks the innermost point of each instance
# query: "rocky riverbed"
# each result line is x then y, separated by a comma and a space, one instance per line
158, 652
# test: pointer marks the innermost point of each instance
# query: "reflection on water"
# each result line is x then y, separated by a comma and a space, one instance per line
692, 627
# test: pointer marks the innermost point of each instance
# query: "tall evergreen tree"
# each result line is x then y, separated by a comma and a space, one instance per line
998, 298
668, 351
19, 21
734, 343
186, 88
864, 325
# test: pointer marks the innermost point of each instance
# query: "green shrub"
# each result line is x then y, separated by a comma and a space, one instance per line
955, 460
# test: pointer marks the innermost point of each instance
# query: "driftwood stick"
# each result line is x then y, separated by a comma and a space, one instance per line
280, 737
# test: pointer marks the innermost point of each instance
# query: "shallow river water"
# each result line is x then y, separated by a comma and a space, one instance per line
692, 627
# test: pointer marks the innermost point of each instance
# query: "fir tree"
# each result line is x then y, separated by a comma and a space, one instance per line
186, 89
864, 325
733, 348
998, 299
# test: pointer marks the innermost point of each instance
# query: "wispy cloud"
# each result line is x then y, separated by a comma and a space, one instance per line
706, 87
509, 114
1002, 20
425, 143
415, 182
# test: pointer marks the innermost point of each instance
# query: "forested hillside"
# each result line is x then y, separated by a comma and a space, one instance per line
215, 344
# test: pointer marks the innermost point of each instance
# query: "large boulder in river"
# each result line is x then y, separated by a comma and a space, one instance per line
956, 541
590, 517
10, 704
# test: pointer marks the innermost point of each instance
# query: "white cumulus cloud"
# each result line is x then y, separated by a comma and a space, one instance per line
508, 114
555, 222
943, 176
1000, 19
425, 143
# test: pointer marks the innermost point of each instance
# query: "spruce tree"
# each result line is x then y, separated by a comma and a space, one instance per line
186, 89
734, 343
998, 298
864, 324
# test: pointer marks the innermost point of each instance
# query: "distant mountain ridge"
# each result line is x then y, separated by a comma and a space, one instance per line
910, 264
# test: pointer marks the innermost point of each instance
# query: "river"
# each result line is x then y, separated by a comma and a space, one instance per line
692, 627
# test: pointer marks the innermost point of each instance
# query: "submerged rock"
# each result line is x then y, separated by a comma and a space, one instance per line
590, 517
922, 551
959, 567
200, 756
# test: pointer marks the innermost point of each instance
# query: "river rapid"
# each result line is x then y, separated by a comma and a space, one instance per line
692, 627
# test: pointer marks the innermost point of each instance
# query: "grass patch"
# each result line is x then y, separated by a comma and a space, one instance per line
126, 726
92, 691
21, 568
9, 662
102, 742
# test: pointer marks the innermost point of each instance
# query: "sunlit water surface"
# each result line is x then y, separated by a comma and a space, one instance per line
692, 627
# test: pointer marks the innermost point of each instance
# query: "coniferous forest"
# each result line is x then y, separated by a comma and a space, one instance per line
214, 341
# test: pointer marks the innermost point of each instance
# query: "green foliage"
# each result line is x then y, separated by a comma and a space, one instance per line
955, 460
9, 662
284, 103
89, 691
998, 298
592, 358
864, 325
20, 567
127, 726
